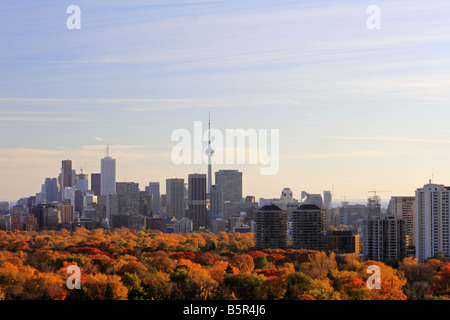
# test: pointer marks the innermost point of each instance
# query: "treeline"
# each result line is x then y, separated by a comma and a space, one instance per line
127, 264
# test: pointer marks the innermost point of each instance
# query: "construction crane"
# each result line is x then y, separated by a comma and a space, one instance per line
375, 192
81, 168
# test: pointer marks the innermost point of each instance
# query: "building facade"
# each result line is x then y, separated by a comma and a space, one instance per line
270, 227
384, 238
174, 200
432, 221
308, 228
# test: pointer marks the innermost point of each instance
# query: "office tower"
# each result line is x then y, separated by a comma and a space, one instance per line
216, 202
327, 200
197, 200
312, 198
153, 189
231, 183
128, 197
82, 182
384, 238
308, 228
51, 186
69, 195
66, 176
96, 183
108, 174
175, 198
405, 208
328, 205
432, 221
270, 228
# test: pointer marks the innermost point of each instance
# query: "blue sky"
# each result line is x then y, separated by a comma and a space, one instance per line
356, 108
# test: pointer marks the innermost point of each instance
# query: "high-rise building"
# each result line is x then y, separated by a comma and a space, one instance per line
82, 182
308, 228
327, 200
405, 208
231, 183
270, 227
313, 198
197, 200
343, 241
51, 186
108, 175
153, 189
175, 198
128, 197
432, 221
96, 183
66, 176
216, 202
384, 238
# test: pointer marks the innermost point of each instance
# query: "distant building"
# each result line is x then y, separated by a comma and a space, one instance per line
108, 175
343, 241
384, 238
308, 228
128, 197
405, 207
153, 189
174, 199
184, 225
218, 226
432, 221
231, 183
270, 228
216, 202
197, 201
82, 182
96, 183
66, 176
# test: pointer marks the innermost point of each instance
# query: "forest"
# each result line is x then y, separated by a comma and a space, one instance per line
123, 264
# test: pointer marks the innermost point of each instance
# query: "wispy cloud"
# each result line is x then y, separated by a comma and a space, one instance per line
388, 138
352, 154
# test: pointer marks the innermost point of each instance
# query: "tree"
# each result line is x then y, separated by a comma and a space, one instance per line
105, 287
261, 262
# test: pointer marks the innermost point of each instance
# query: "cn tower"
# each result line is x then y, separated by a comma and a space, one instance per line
209, 152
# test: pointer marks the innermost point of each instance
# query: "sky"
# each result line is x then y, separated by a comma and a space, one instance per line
357, 109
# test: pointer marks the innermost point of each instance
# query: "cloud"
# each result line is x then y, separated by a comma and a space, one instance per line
389, 138
354, 154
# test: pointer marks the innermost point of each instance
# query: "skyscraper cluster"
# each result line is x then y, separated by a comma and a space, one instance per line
410, 225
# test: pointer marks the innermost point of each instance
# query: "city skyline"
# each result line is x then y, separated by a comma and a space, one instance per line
357, 109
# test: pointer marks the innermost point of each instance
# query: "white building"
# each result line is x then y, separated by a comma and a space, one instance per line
108, 175
432, 224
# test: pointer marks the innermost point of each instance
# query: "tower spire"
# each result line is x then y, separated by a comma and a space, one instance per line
107, 151
209, 153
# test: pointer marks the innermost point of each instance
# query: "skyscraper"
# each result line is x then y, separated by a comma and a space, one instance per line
308, 228
96, 183
153, 189
432, 221
108, 174
66, 176
128, 197
216, 202
270, 228
52, 189
231, 183
197, 200
175, 198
